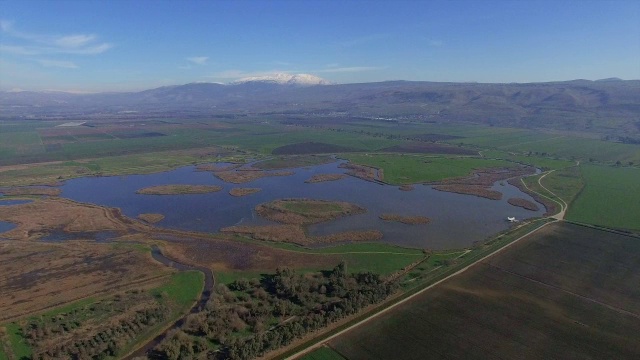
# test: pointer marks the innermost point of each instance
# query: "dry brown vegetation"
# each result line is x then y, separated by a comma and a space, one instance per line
277, 233
230, 254
179, 189
566, 292
550, 205
325, 177
523, 203
243, 176
363, 172
406, 187
306, 211
295, 234
470, 190
480, 182
217, 167
349, 236
30, 190
243, 191
295, 214
410, 220
38, 275
44, 215
151, 218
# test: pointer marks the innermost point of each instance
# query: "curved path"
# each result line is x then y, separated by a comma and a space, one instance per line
209, 281
563, 204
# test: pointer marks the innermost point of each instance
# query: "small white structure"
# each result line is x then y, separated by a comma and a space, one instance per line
512, 219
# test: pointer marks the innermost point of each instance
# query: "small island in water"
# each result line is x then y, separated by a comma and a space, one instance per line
179, 189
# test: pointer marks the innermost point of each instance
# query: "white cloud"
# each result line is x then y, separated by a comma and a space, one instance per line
24, 43
74, 41
17, 50
57, 63
199, 60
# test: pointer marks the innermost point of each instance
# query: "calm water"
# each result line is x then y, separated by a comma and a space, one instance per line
6, 226
456, 220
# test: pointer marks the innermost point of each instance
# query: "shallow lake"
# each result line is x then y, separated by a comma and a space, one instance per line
6, 226
456, 220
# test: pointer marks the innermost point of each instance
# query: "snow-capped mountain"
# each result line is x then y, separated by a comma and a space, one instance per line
284, 79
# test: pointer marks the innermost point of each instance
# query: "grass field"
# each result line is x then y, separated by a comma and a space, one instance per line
611, 197
565, 292
323, 353
411, 169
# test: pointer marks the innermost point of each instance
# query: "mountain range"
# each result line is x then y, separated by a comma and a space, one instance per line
610, 106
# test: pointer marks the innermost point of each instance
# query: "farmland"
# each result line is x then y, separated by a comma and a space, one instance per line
611, 197
566, 291
600, 190
411, 169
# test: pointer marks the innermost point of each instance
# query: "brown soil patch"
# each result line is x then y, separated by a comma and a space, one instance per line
523, 203
306, 211
410, 220
30, 190
179, 189
325, 177
243, 176
37, 275
243, 191
470, 190
406, 187
151, 218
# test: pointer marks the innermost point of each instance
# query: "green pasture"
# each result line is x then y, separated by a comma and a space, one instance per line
183, 289
611, 197
542, 144
411, 169
323, 353
545, 163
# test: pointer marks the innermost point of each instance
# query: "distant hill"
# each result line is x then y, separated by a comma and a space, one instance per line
608, 106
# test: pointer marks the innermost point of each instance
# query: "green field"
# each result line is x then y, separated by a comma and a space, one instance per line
411, 169
611, 198
323, 353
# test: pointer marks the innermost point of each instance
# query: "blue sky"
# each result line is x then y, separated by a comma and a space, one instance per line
131, 45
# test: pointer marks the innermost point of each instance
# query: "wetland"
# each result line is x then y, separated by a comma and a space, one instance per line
211, 212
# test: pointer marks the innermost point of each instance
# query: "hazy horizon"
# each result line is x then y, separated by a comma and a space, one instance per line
130, 46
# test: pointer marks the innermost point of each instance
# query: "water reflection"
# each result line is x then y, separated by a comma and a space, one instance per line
456, 220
